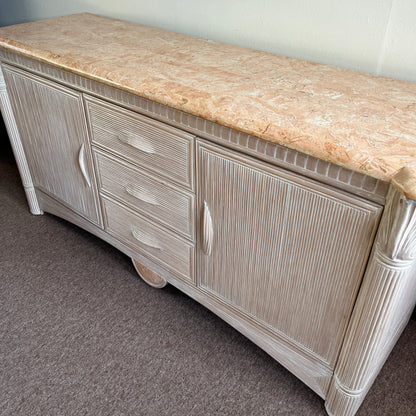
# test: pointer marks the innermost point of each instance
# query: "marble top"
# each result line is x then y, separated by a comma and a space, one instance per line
360, 121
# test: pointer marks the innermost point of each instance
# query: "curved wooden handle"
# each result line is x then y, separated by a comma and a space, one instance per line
82, 165
138, 143
207, 231
145, 239
141, 195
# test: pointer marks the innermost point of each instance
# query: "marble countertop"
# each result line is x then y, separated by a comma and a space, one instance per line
363, 122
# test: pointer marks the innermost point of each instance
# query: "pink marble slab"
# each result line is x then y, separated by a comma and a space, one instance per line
363, 122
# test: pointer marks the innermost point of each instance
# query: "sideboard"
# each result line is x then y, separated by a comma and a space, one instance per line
279, 194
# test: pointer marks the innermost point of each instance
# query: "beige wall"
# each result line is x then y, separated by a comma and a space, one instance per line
376, 36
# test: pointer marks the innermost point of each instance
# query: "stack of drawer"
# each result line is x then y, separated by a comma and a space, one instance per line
146, 181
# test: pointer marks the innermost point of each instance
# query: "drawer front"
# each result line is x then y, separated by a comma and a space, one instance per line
152, 145
145, 193
151, 240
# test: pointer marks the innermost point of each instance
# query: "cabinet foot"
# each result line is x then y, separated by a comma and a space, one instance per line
343, 402
149, 276
32, 200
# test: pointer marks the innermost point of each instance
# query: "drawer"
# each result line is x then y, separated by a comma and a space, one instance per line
141, 191
149, 239
154, 146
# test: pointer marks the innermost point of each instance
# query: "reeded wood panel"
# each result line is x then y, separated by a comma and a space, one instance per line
149, 239
143, 192
16, 143
54, 135
146, 142
286, 251
384, 305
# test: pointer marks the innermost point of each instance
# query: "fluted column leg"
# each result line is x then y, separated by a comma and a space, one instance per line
17, 147
384, 305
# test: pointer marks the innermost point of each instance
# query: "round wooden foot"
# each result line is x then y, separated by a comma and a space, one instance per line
149, 276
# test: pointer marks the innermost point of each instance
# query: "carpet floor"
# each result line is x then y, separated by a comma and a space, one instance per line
81, 334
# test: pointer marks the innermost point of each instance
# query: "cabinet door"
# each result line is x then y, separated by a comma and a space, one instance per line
286, 252
53, 130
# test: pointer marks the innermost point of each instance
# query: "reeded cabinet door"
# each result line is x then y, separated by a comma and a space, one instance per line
53, 130
283, 250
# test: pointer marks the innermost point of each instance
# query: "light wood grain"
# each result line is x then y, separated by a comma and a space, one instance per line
287, 252
148, 143
147, 237
160, 200
302, 363
384, 305
279, 256
55, 207
54, 136
16, 144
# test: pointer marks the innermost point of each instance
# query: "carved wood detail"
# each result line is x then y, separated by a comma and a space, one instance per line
397, 238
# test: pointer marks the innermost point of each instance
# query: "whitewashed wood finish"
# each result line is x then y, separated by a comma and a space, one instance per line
54, 136
292, 160
148, 143
146, 193
147, 237
55, 207
384, 305
315, 374
385, 299
19, 153
82, 164
287, 252
207, 232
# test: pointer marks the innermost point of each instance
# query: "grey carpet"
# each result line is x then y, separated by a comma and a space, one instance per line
80, 334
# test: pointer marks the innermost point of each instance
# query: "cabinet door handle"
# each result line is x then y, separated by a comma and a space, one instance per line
82, 165
145, 239
138, 143
207, 231
141, 195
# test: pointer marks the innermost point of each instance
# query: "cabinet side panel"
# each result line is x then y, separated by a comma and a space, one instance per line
19, 154
287, 254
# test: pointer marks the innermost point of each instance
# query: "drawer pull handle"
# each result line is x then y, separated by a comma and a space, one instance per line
141, 195
82, 166
207, 231
145, 239
138, 143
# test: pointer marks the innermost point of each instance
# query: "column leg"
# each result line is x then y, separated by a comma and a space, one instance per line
19, 154
384, 305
